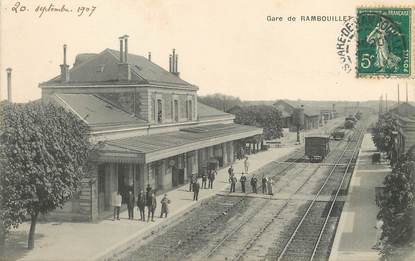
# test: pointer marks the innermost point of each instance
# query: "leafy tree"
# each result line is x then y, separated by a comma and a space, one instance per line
220, 101
272, 124
382, 134
263, 116
397, 207
44, 153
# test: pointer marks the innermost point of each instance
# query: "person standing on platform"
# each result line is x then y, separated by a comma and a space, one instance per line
151, 206
164, 206
211, 177
269, 186
243, 180
231, 174
264, 185
149, 190
233, 184
254, 181
246, 165
116, 203
130, 205
141, 204
204, 180
191, 183
196, 188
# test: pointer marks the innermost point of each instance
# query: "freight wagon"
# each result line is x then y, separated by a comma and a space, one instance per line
338, 134
317, 147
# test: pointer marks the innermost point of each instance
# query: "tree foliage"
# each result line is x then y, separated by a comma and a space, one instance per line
44, 152
220, 101
397, 205
263, 116
382, 132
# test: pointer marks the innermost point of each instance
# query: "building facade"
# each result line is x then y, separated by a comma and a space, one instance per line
404, 114
147, 123
311, 118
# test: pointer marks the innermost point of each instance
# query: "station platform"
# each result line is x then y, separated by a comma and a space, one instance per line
99, 241
356, 233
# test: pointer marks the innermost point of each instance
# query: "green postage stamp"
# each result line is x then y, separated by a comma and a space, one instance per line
384, 42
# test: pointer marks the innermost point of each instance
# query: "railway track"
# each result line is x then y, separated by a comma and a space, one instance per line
245, 251
211, 216
306, 237
237, 228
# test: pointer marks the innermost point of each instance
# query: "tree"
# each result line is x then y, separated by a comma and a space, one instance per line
397, 207
220, 101
262, 116
44, 153
382, 134
272, 124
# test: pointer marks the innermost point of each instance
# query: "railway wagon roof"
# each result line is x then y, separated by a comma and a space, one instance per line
318, 136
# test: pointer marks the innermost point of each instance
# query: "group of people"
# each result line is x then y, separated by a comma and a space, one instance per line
144, 200
194, 185
266, 182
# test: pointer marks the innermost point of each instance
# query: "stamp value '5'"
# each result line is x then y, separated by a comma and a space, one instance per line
384, 42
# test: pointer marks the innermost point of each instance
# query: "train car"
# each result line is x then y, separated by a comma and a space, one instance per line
358, 115
351, 118
349, 124
338, 134
317, 147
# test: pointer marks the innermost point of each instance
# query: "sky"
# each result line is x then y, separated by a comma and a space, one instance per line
224, 47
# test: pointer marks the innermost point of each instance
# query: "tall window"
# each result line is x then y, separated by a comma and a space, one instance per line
176, 110
159, 111
189, 110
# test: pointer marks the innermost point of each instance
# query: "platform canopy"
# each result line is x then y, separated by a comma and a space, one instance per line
150, 148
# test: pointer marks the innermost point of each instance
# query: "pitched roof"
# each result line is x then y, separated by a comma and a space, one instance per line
294, 104
176, 142
102, 68
97, 112
404, 110
204, 111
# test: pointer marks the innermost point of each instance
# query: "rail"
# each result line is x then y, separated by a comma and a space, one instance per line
281, 255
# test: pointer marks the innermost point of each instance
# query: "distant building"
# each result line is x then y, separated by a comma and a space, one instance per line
404, 113
152, 128
287, 108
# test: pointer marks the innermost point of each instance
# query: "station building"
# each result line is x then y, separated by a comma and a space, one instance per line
404, 114
148, 124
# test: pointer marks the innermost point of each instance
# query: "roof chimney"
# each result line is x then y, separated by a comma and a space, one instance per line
170, 63
149, 56
121, 48
124, 69
174, 63
64, 67
125, 48
9, 84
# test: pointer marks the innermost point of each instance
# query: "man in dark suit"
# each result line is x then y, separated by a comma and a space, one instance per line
196, 188
233, 184
264, 185
130, 205
151, 206
254, 181
141, 204
243, 180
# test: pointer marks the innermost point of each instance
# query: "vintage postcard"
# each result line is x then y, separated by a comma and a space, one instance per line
207, 130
